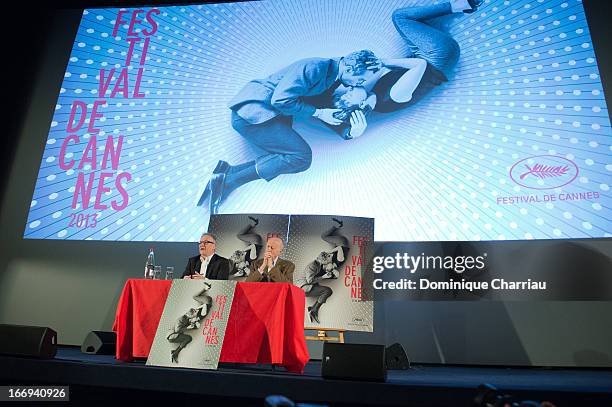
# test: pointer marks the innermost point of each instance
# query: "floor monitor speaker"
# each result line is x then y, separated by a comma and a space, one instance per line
34, 341
352, 361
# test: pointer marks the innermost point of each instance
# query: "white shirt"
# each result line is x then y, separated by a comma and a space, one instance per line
205, 261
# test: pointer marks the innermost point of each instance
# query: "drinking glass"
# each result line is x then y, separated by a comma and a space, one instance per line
157, 273
169, 273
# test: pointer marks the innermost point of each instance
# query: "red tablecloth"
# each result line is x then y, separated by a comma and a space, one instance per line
266, 323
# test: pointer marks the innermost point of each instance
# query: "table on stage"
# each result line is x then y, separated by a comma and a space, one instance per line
265, 325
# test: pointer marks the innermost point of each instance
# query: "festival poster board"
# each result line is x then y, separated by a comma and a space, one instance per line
329, 256
192, 326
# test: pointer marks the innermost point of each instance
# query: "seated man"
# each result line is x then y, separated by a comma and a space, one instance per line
272, 268
207, 264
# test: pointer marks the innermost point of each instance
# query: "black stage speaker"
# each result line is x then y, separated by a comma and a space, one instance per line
396, 357
100, 343
353, 361
34, 341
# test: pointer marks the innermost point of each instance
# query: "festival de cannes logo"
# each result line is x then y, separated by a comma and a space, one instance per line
544, 172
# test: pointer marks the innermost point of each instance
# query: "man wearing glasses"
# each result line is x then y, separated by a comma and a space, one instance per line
207, 264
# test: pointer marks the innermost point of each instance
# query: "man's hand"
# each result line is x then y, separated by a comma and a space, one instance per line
327, 115
358, 124
374, 64
193, 323
267, 262
268, 259
197, 277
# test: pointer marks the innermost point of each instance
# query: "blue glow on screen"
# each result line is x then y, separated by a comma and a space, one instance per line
525, 92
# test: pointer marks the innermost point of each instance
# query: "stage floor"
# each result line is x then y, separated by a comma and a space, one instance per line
423, 385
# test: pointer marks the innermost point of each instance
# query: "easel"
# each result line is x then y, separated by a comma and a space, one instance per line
322, 335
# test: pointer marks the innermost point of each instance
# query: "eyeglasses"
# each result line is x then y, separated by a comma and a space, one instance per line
205, 242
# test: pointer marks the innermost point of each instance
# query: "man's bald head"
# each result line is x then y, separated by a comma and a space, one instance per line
275, 246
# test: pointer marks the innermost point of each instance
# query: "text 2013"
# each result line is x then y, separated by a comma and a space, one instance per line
80, 220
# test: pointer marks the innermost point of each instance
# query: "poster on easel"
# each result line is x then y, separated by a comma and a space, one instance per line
329, 256
192, 326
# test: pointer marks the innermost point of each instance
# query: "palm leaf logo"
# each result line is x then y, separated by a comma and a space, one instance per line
545, 171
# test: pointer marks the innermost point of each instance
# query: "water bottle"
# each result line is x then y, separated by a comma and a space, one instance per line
149, 265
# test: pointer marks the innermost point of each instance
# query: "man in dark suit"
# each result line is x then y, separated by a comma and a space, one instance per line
272, 268
263, 111
207, 264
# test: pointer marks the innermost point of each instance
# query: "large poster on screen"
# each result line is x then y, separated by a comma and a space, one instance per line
329, 253
192, 326
441, 120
